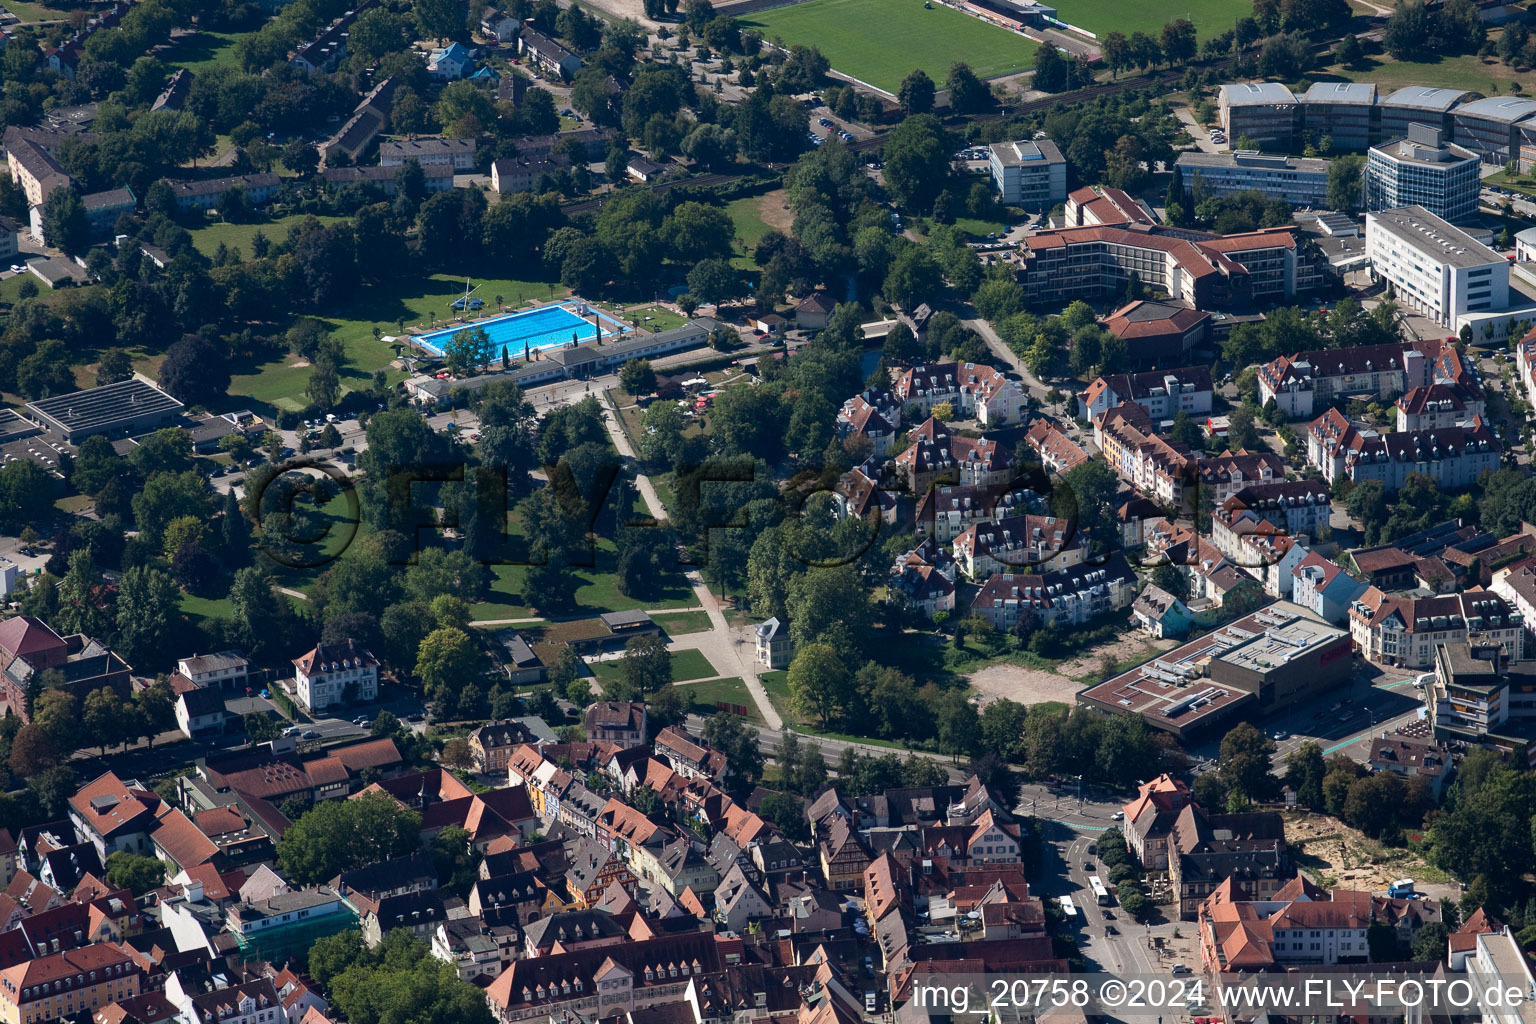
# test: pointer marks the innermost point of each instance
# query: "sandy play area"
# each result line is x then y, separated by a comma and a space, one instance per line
1034, 686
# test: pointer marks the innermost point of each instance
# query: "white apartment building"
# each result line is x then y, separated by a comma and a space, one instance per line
334, 674
1029, 173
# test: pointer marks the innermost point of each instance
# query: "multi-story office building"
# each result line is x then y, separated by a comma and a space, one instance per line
1029, 173
1417, 104
1422, 169
1344, 112
1265, 112
1488, 126
1438, 270
1300, 181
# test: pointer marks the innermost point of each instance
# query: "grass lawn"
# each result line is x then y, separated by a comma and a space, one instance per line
1101, 16
597, 591
32, 12
980, 227
750, 228
881, 41
707, 694
208, 237
683, 622
202, 50
654, 318
202, 608
777, 685
1468, 71
686, 665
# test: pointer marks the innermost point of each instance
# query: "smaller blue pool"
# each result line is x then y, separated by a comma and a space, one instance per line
549, 326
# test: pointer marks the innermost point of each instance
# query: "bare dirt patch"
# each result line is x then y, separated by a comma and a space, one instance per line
774, 211
1332, 854
625, 9
1037, 686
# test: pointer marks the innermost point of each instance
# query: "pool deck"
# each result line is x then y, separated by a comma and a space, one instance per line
416, 336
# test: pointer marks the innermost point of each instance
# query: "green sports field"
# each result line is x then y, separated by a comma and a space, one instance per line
881, 41
1210, 17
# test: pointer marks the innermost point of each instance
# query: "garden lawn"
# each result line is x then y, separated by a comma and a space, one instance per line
880, 41
1101, 16
686, 665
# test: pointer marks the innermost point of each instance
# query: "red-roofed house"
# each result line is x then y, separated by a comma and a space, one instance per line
114, 815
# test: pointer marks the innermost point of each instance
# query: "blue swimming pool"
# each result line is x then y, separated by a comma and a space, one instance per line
545, 327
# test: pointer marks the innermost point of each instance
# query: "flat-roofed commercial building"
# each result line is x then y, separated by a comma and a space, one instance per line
1342, 111
1300, 181
1417, 104
1439, 270
1260, 663
1487, 126
1030, 173
1265, 112
1423, 169
123, 409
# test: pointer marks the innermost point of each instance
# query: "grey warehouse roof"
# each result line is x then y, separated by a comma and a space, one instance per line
98, 407
1255, 93
1423, 97
1499, 108
1341, 92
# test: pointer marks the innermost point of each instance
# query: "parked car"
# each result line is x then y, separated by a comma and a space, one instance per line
309, 734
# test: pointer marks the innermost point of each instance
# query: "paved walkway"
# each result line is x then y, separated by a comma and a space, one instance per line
720, 645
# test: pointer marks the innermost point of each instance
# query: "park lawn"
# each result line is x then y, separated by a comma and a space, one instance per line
686, 665
1467, 71
880, 42
35, 12
683, 623
278, 384
206, 239
597, 591
747, 215
199, 51
1210, 17
704, 696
